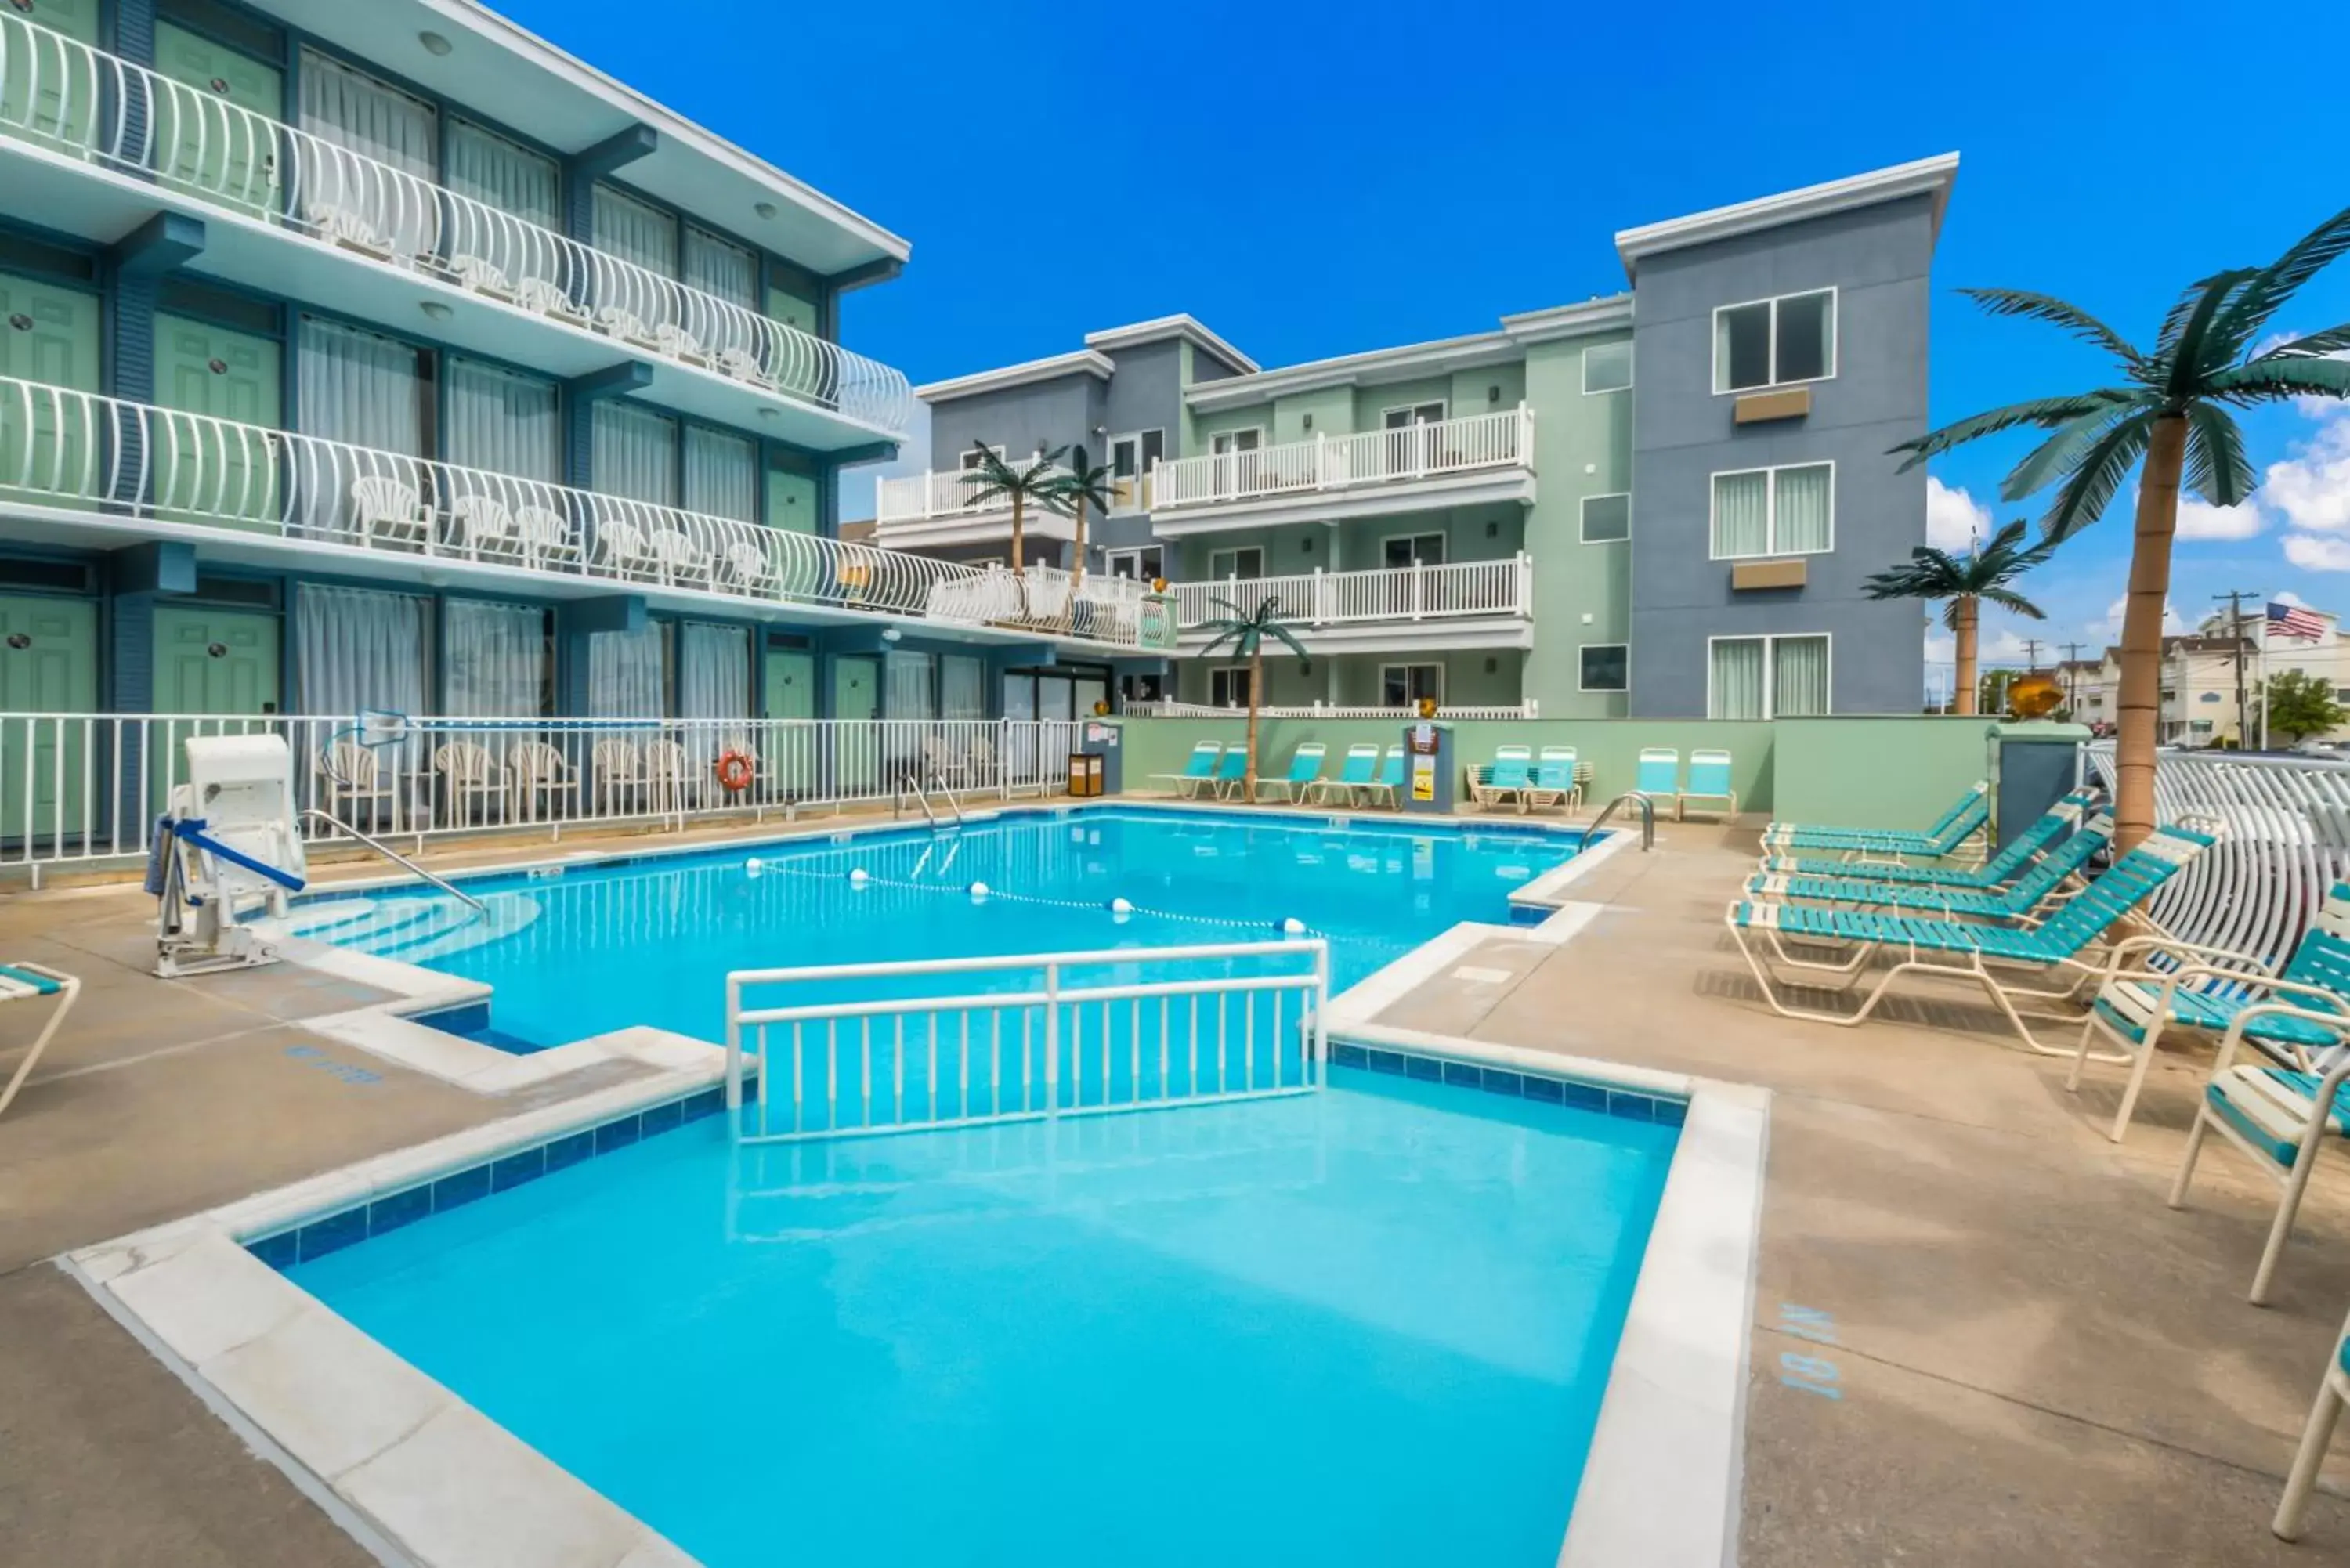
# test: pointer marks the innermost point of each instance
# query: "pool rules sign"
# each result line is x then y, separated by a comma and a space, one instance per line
1427, 784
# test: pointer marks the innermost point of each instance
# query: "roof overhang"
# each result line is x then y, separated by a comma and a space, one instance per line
1186, 329
1926, 177
1084, 362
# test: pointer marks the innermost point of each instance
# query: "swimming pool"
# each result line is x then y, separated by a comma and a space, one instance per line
579, 950
1369, 1325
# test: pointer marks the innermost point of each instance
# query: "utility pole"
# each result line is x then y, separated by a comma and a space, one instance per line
2235, 597
2070, 668
2032, 655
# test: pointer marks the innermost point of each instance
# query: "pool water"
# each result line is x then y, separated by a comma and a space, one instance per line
593, 948
1367, 1327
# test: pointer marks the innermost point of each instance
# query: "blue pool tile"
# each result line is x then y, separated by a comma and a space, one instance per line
1350, 1055
618, 1133
1499, 1083
1585, 1097
1547, 1090
394, 1210
1631, 1106
282, 1250
709, 1102
570, 1151
1672, 1113
333, 1234
1386, 1062
660, 1118
1423, 1068
460, 1186
517, 1169
1462, 1074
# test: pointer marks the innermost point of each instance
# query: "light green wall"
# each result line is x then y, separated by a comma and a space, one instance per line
1371, 403
1473, 391
1583, 446
1352, 680
1202, 427
1333, 409
1358, 541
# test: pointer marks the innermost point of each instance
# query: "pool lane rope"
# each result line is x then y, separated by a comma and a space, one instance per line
1120, 909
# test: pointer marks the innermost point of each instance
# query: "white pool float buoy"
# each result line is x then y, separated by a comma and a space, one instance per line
978, 892
753, 867
1120, 909
1291, 926
860, 876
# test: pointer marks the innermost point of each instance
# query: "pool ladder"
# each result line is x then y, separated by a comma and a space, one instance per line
913, 786
314, 815
1647, 819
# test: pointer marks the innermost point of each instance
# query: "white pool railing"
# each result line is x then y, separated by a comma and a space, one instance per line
1057, 1046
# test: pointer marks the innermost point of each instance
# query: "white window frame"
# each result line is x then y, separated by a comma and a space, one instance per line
1406, 667
1770, 641
1443, 408
1133, 557
1231, 672
1591, 391
964, 463
1443, 548
1216, 576
1140, 467
1836, 341
1583, 647
1582, 516
1226, 437
1770, 511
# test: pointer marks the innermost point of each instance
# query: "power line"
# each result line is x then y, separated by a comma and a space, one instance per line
2235, 597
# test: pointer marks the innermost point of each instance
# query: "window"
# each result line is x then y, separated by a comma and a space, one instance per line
635, 231
1775, 512
1404, 685
721, 474
1412, 550
1133, 454
496, 172
969, 460
1608, 367
1143, 566
633, 452
1223, 443
1246, 562
365, 389
1228, 686
722, 269
1766, 677
1607, 519
1607, 667
504, 422
2209, 697
1774, 342
1415, 414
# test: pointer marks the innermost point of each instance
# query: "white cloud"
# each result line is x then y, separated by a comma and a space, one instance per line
2316, 553
1954, 519
2287, 596
2312, 488
2112, 627
1940, 649
2201, 520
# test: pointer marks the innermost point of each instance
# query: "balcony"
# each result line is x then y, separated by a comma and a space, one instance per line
1448, 463
918, 511
74, 462
1464, 603
364, 233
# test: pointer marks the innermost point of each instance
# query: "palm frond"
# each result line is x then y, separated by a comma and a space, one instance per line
1927, 574
2056, 313
2055, 457
2047, 412
2273, 377
2332, 340
1284, 633
2199, 348
2183, 309
2278, 282
2008, 599
2216, 468
2081, 500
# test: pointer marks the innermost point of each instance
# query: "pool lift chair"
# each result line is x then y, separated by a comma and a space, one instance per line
229, 846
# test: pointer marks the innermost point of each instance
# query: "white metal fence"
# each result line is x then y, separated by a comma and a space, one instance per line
2284, 830
952, 492
1337, 462
62, 94
1333, 710
1029, 1035
86, 788
1452, 591
58, 446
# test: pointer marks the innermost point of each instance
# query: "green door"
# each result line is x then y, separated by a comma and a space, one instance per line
791, 496
203, 473
789, 759
201, 143
856, 694
49, 334
215, 661
54, 671
47, 91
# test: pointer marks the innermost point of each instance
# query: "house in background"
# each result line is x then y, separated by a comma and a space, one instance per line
1663, 503
2200, 675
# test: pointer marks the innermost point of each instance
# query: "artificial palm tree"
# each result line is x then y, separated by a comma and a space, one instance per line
1084, 485
1246, 632
2173, 409
1031, 479
1960, 583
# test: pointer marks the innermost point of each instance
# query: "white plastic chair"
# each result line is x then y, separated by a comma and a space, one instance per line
388, 507
621, 322
749, 567
743, 365
677, 343
624, 549
352, 774
484, 526
682, 560
482, 277
469, 775
341, 225
541, 777
545, 536
670, 774
545, 297
620, 770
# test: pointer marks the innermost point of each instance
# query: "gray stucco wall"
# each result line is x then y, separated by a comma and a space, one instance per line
1877, 260
1146, 394
1019, 419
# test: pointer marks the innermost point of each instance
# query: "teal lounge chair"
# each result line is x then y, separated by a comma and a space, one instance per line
1199, 771
2333, 1393
1355, 774
1658, 775
1708, 779
2049, 826
1305, 772
1388, 785
2019, 898
1232, 773
1958, 827
1504, 782
23, 982
1956, 949
1553, 782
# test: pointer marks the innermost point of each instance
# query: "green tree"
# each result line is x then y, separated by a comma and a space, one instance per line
1960, 584
1030, 480
2300, 703
1247, 632
2174, 407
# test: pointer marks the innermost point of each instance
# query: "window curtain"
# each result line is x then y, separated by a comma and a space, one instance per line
1803, 515
501, 174
1742, 513
714, 682
908, 693
962, 688
355, 648
361, 389
722, 268
502, 423
494, 659
1736, 689
626, 675
1799, 676
373, 119
634, 231
635, 453
721, 475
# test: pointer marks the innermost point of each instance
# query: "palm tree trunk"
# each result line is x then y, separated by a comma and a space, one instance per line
1019, 538
1077, 566
2149, 590
1964, 625
1256, 682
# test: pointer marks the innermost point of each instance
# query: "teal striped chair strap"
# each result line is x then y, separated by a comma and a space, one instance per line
17, 984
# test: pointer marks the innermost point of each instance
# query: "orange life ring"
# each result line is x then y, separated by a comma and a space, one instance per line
733, 773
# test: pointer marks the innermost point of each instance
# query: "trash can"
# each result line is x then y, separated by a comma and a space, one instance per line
1099, 742
1085, 774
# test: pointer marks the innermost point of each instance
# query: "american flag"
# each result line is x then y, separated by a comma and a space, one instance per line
2295, 620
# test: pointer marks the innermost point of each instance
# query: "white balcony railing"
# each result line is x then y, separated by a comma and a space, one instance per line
59, 447
61, 94
953, 493
1457, 590
1172, 709
1444, 447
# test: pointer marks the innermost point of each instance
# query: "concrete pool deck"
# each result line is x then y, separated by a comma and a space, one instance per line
2030, 1357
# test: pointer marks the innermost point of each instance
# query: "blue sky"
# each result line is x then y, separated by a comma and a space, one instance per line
1314, 179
